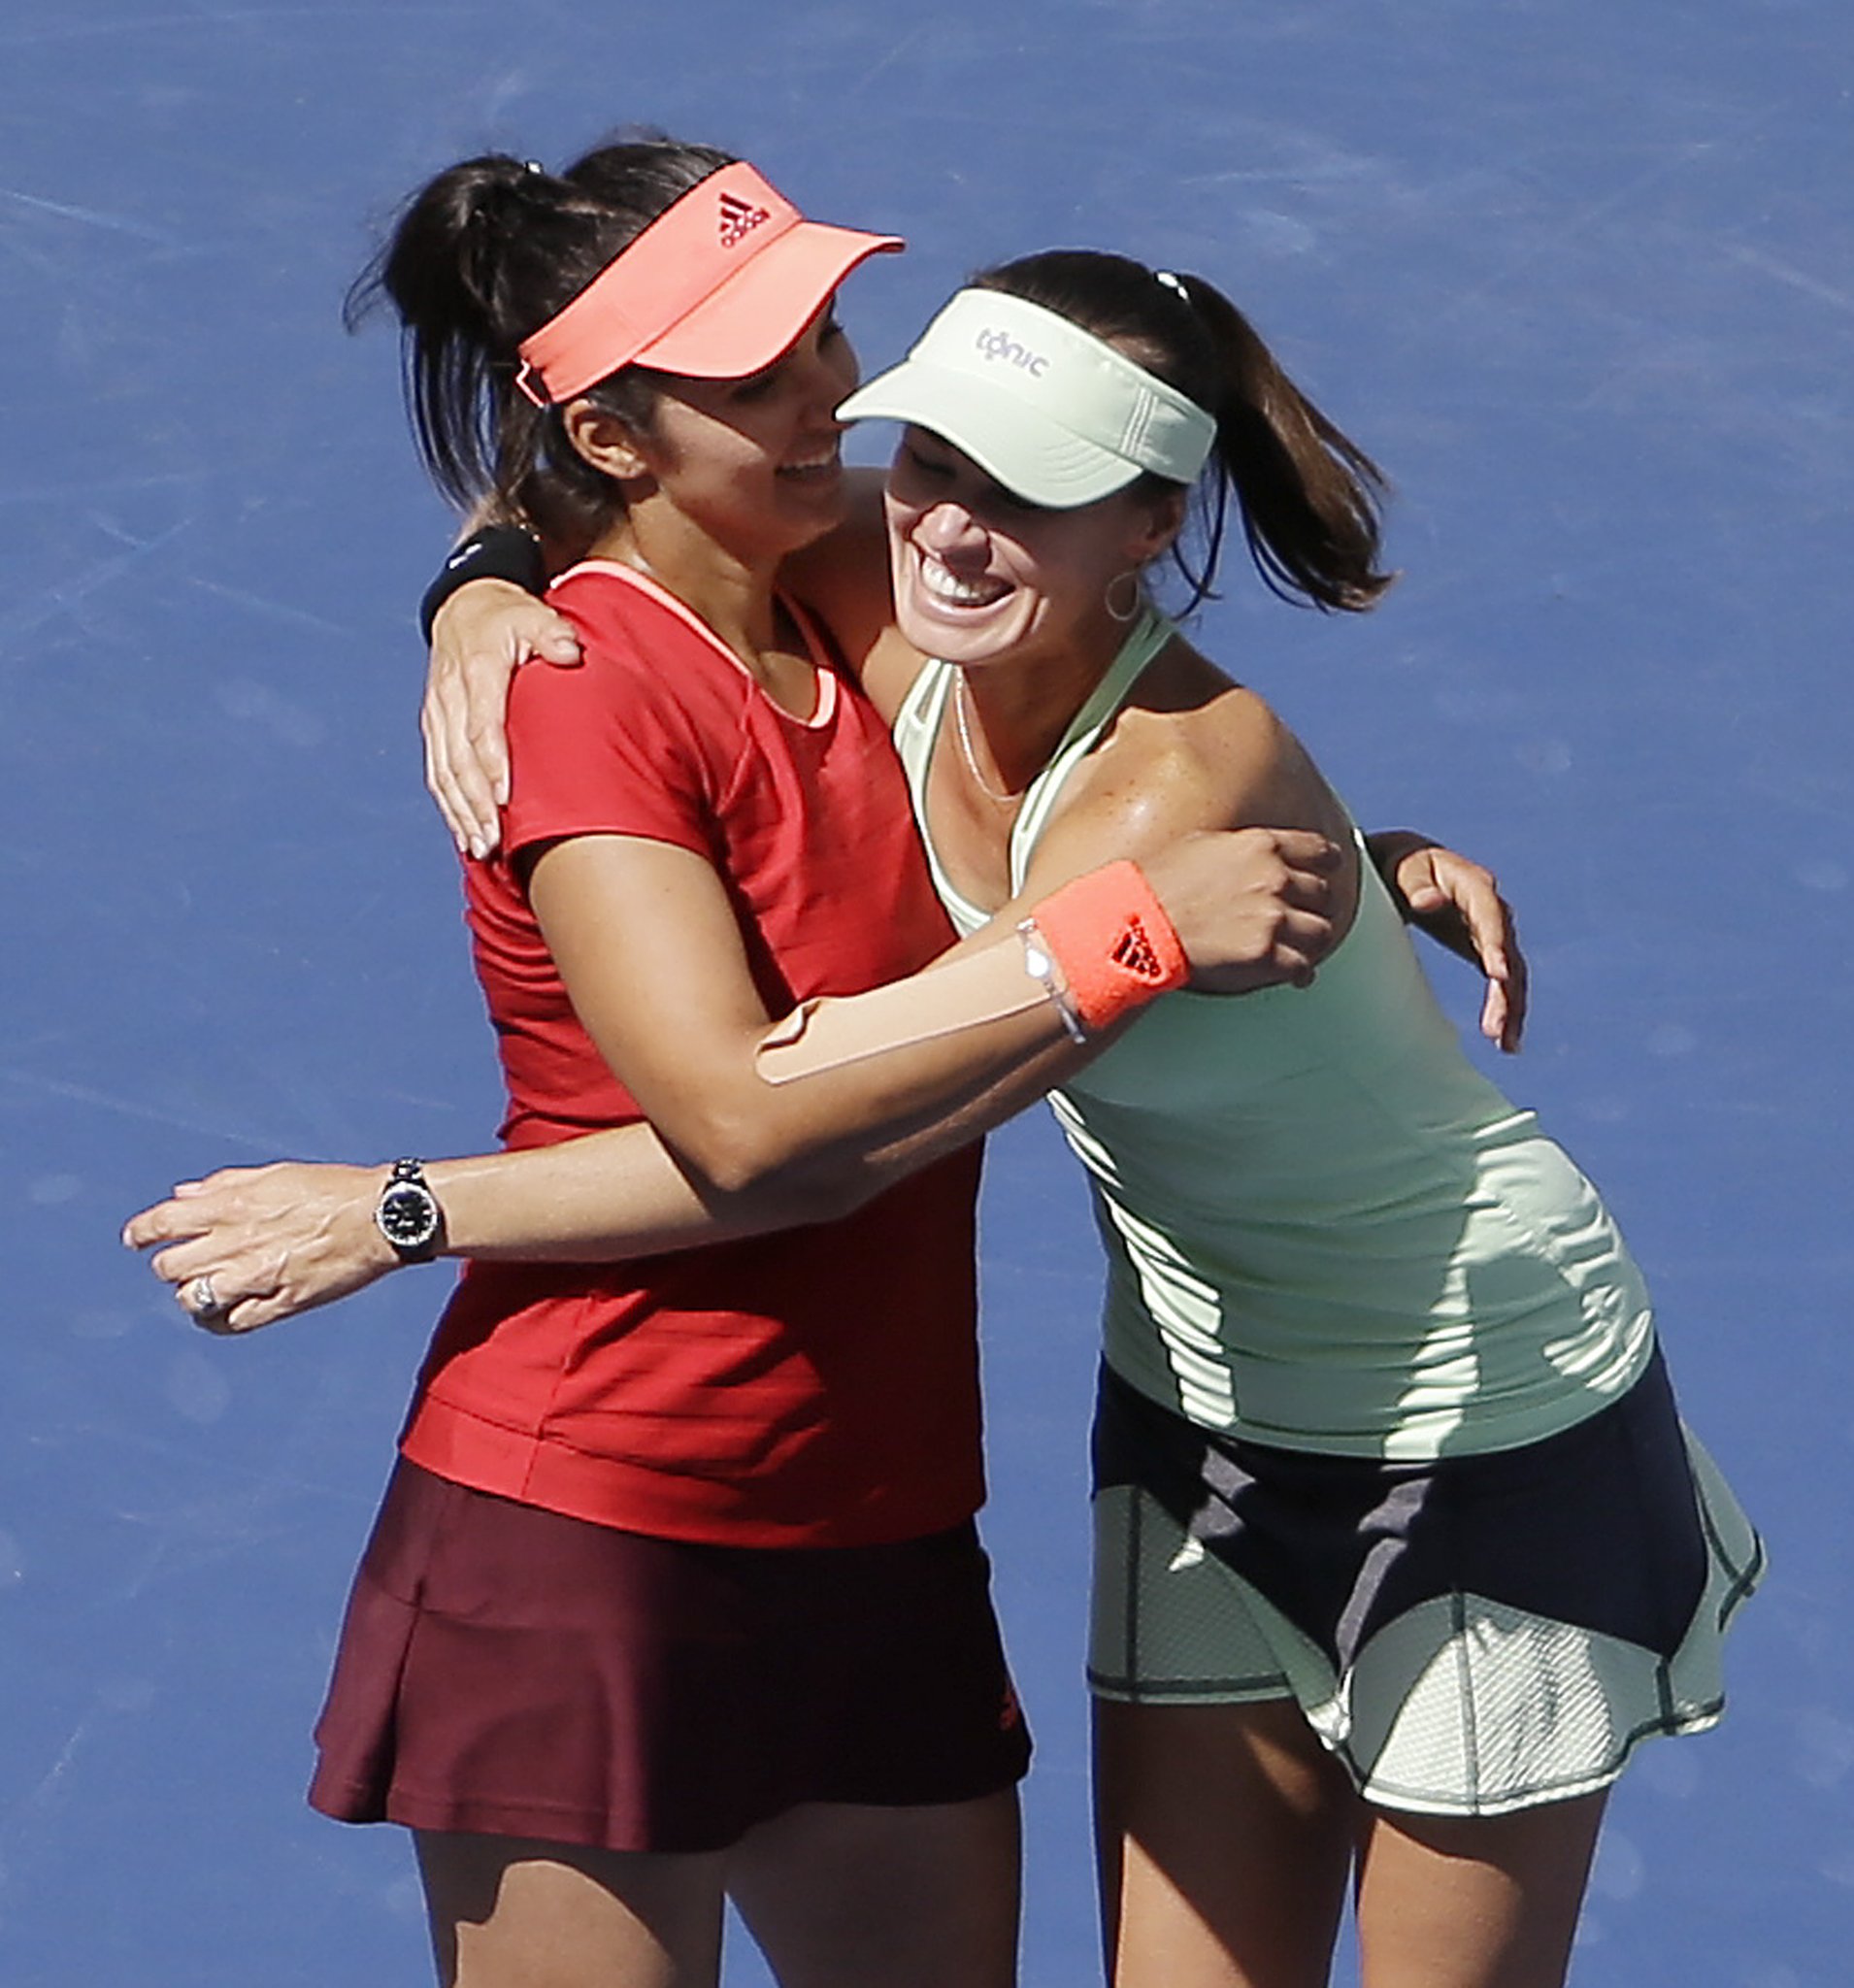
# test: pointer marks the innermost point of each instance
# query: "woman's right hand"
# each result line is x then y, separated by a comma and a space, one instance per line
1253, 907
483, 632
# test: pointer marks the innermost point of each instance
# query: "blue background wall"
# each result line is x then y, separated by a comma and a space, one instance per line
1580, 277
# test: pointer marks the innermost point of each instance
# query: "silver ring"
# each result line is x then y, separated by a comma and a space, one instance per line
203, 1301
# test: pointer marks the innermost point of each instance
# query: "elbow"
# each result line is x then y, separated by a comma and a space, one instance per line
768, 1176
737, 1157
800, 1197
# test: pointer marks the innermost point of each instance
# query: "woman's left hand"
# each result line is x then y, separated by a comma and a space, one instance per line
248, 1245
1253, 907
1458, 904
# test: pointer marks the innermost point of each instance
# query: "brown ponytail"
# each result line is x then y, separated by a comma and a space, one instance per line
1308, 497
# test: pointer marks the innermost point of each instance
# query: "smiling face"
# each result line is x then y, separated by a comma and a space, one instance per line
981, 577
754, 463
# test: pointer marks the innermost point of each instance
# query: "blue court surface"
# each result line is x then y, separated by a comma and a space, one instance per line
1580, 276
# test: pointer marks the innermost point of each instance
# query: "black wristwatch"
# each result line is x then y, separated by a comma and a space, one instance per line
408, 1213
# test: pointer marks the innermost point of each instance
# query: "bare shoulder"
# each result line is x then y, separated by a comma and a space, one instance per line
1193, 749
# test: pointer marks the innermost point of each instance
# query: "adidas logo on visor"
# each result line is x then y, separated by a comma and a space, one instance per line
739, 219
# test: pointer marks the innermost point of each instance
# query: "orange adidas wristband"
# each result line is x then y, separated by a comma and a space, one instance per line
1117, 949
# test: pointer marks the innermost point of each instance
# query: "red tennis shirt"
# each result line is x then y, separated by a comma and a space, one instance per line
817, 1387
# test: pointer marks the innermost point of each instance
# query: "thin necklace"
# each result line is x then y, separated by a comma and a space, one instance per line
966, 753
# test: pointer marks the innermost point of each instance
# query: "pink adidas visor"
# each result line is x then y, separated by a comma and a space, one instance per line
717, 287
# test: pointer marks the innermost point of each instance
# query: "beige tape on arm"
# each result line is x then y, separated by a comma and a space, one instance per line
966, 993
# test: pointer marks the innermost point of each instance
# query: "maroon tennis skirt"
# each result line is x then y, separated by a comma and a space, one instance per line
511, 1672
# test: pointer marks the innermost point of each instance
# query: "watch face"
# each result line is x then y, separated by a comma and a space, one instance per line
408, 1215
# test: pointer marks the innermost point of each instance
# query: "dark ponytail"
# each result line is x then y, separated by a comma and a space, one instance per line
1308, 497
482, 256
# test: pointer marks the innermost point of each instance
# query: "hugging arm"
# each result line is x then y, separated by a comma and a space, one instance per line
483, 634
755, 1126
487, 629
1458, 903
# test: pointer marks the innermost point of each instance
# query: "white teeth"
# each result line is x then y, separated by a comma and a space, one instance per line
946, 585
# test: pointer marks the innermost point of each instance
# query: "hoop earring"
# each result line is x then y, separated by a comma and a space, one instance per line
1139, 596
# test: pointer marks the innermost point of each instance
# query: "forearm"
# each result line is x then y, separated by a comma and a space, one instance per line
274, 1240
267, 1242
605, 1197
646, 945
863, 1166
1388, 848
951, 1051
612, 1196
620, 1194
848, 1095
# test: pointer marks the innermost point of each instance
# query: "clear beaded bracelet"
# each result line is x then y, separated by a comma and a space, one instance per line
1042, 967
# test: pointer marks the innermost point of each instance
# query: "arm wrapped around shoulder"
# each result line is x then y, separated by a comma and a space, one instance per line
1095, 949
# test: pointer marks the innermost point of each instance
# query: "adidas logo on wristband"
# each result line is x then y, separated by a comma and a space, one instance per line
1133, 952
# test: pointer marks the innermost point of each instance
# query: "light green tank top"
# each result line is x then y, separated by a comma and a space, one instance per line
1324, 1227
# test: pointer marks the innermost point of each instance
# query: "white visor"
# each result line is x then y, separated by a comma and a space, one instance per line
1055, 415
